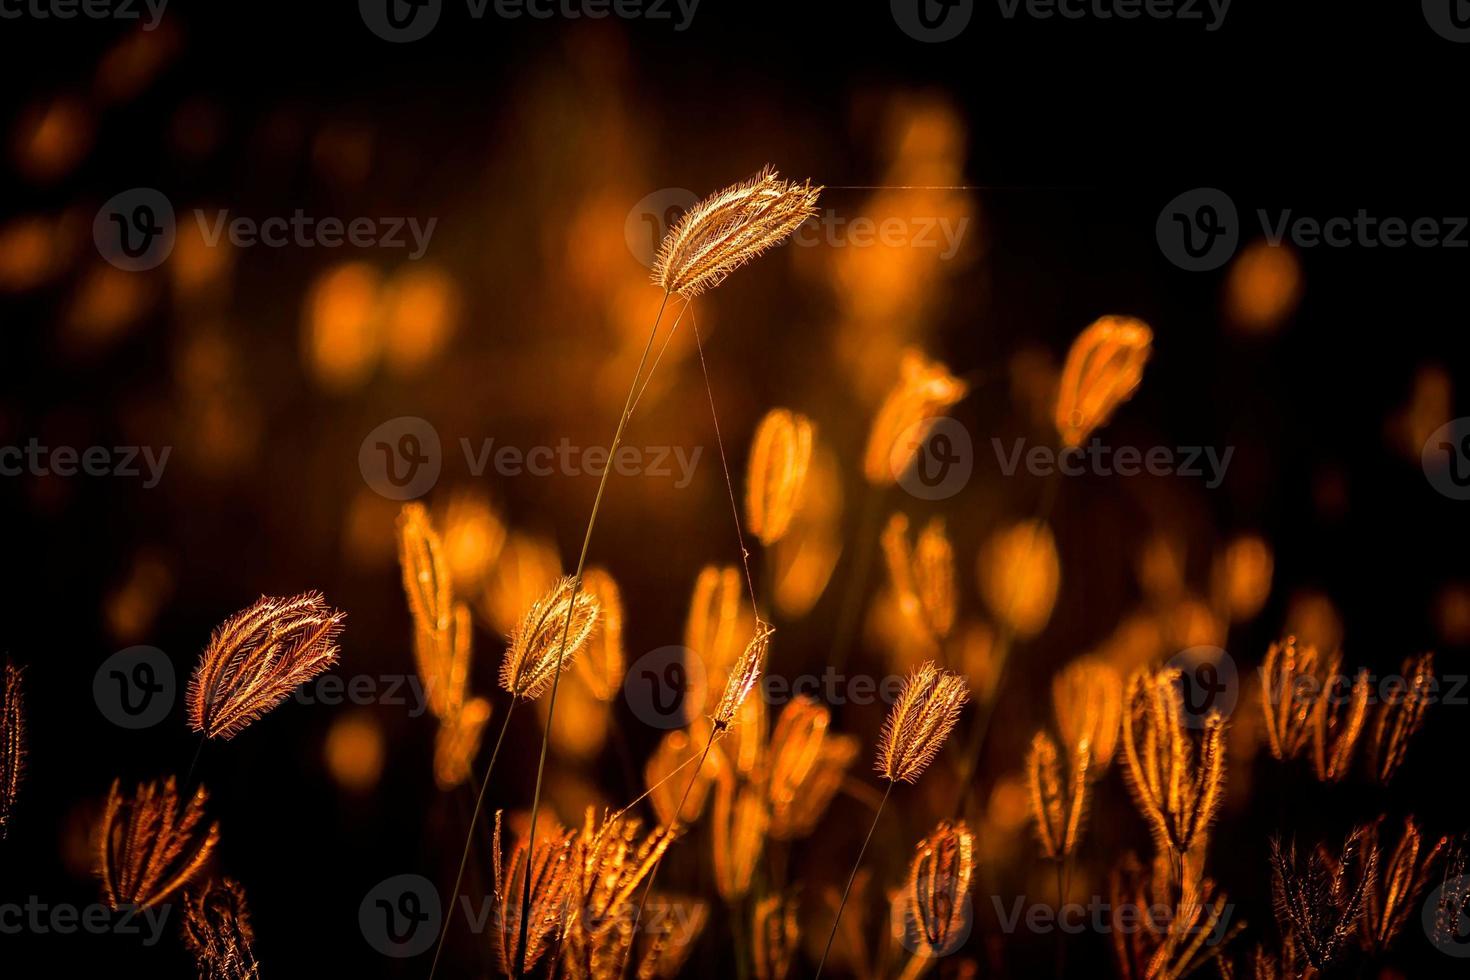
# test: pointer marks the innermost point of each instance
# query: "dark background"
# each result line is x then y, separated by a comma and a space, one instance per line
1078, 133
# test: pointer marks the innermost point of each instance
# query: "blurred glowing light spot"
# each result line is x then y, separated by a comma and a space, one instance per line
354, 751
1264, 286
343, 339
421, 311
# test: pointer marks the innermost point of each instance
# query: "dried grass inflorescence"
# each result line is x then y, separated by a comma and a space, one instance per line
1289, 684
808, 764
743, 675
1104, 366
1184, 925
217, 931
12, 742
922, 577
441, 629
926, 711
257, 657
534, 648
457, 742
1087, 698
723, 232
610, 861
602, 662
148, 847
938, 886
1337, 721
777, 935
1020, 574
775, 481
925, 388
719, 623
1059, 811
1400, 716
740, 821
551, 873
670, 945
1394, 900
1176, 779
1321, 900
679, 751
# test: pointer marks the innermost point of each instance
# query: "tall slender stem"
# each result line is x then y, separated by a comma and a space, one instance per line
469, 838
837, 920
567, 627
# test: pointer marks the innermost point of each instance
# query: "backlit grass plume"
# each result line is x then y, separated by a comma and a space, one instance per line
1321, 899
938, 888
441, 628
743, 675
807, 765
1289, 683
926, 710
12, 742
534, 652
723, 232
1394, 899
1104, 366
1183, 925
550, 873
904, 421
1177, 778
257, 657
776, 935
611, 858
922, 576
1400, 716
217, 931
148, 847
1337, 721
780, 454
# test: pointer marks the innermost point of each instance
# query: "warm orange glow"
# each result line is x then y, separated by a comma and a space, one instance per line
1019, 576
924, 390
343, 340
1243, 577
354, 751
1103, 368
473, 535
51, 139
420, 314
526, 568
1264, 286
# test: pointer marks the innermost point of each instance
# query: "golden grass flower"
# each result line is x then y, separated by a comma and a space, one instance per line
1321, 900
719, 623
1058, 812
217, 931
551, 872
1337, 721
723, 232
938, 887
457, 743
922, 576
534, 648
611, 860
927, 709
1177, 779
148, 847
670, 945
925, 389
603, 662
1019, 574
1290, 685
1087, 698
12, 742
1394, 897
679, 751
775, 479
808, 763
740, 820
1400, 716
777, 936
1184, 926
257, 657
1103, 368
442, 631
743, 675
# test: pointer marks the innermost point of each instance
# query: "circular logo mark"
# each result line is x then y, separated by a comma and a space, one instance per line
400, 21
932, 21
1199, 229
134, 688
1445, 920
666, 687
947, 933
400, 916
651, 218
1450, 19
400, 459
134, 230
933, 459
1446, 459
1208, 682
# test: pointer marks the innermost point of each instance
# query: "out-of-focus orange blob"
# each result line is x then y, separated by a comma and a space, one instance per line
343, 152
1161, 567
1452, 614
131, 64
924, 389
106, 304
1019, 576
51, 139
1264, 286
1242, 578
132, 607
473, 535
420, 313
354, 751
1430, 405
1314, 621
1009, 807
582, 721
343, 340
1104, 366
807, 555
195, 263
33, 250
524, 572
367, 529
